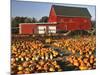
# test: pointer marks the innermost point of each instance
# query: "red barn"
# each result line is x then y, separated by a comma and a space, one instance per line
60, 18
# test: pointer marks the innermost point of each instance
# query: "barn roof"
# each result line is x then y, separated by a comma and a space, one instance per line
71, 11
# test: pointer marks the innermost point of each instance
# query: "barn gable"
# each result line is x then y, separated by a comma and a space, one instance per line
52, 16
71, 11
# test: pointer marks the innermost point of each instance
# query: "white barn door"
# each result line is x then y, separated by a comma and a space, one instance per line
52, 29
41, 29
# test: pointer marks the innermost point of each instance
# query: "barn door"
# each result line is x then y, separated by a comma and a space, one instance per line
52, 29
41, 29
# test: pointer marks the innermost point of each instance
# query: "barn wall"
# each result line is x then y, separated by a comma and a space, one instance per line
27, 28
73, 23
87, 25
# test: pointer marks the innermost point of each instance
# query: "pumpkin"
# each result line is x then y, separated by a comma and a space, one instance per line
13, 60
91, 61
41, 62
20, 68
26, 72
76, 63
83, 67
85, 60
51, 69
25, 64
20, 72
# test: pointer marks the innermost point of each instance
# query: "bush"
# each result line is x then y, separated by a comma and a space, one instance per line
62, 31
15, 31
78, 32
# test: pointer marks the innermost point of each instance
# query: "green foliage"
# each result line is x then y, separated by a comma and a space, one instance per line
61, 31
94, 24
78, 33
44, 19
15, 31
17, 20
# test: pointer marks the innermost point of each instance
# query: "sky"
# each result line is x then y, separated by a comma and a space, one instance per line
39, 9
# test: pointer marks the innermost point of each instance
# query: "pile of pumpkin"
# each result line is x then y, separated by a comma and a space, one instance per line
82, 45
83, 62
28, 67
82, 51
29, 56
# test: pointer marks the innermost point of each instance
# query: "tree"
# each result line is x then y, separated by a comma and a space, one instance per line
17, 20
28, 20
34, 20
44, 19
94, 23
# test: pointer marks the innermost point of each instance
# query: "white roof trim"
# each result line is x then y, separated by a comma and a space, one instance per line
41, 23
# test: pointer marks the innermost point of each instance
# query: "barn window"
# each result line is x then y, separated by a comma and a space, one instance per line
52, 29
